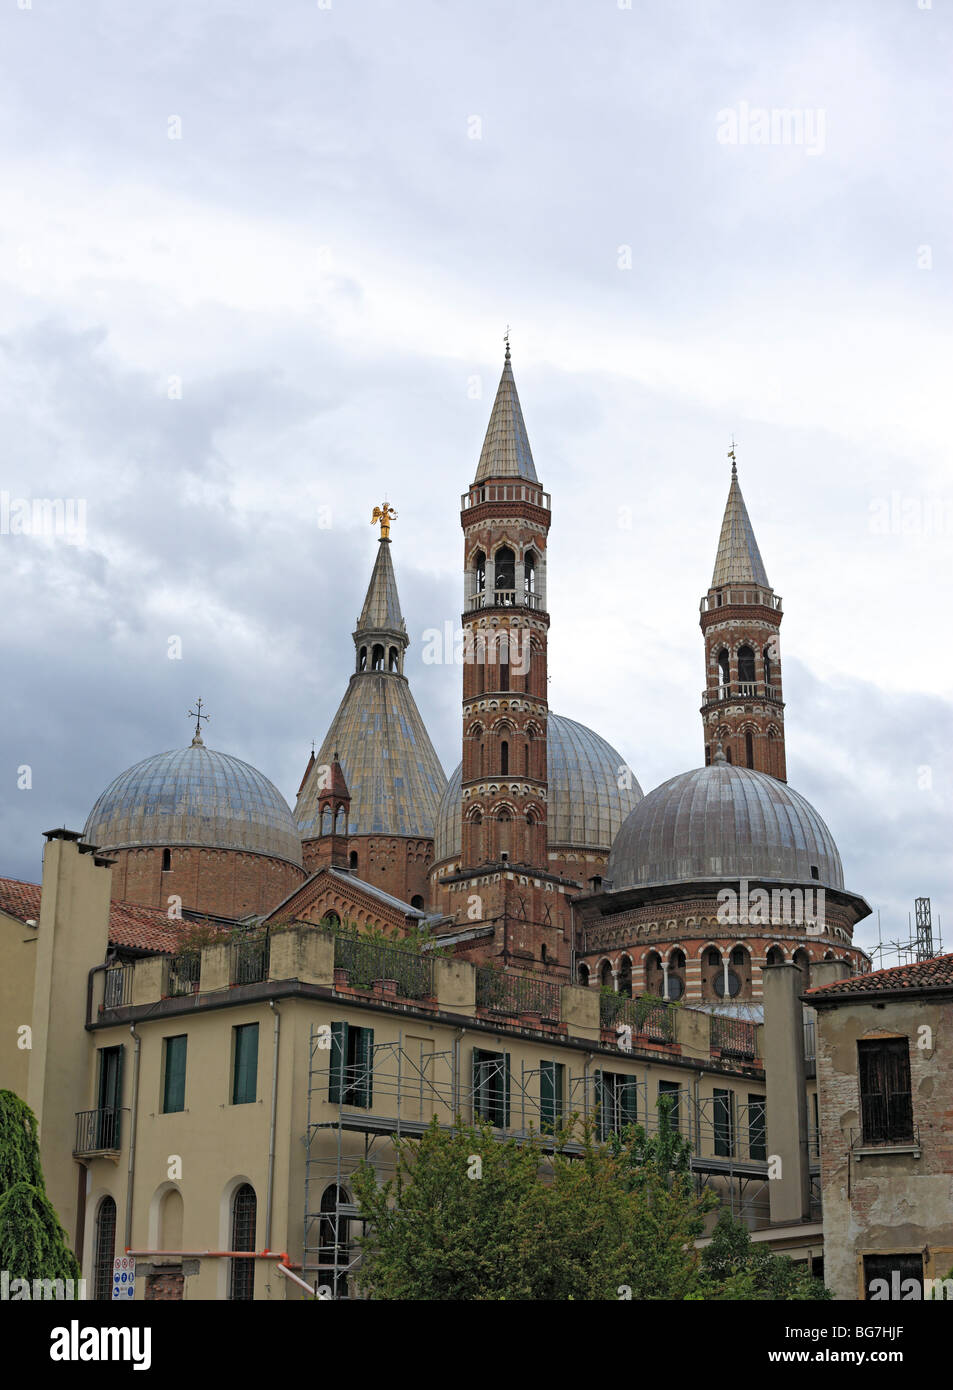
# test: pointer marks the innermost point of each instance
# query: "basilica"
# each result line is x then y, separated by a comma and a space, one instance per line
540, 852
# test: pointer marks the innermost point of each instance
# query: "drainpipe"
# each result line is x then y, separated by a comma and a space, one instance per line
131, 1172
274, 1116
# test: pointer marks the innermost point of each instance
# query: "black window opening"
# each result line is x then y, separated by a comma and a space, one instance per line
723, 668
749, 749
723, 1124
893, 1277
504, 755
551, 1084
362, 659
757, 1129
886, 1103
505, 571
671, 1091
334, 1230
166, 860
109, 1098
245, 1066
173, 1085
377, 657
491, 1087
617, 1100
352, 861
244, 1220
479, 569
746, 665
105, 1249
352, 1066
393, 662
529, 573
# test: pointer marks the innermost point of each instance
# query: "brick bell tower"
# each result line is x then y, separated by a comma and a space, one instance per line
743, 708
505, 518
504, 893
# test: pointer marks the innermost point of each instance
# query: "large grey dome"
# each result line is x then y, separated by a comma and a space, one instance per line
724, 822
194, 796
586, 805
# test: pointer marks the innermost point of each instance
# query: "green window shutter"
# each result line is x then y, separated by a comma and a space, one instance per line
757, 1146
629, 1107
721, 1114
245, 1084
547, 1096
477, 1080
601, 1105
505, 1118
670, 1090
365, 1066
559, 1072
338, 1061
173, 1098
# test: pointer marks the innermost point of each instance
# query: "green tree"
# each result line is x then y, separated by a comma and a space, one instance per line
470, 1217
735, 1268
33, 1244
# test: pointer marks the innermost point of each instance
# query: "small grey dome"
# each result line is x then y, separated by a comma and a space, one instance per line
586, 804
194, 796
724, 822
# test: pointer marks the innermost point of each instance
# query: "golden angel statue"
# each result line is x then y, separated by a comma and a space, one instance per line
384, 516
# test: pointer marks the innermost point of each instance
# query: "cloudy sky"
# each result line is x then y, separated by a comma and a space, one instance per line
257, 262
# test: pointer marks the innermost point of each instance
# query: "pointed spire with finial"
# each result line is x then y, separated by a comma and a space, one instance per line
738, 560
198, 716
506, 452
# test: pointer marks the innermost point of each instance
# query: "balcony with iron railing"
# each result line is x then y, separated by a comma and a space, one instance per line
98, 1132
886, 1124
117, 987
648, 1018
500, 992
733, 1037
248, 960
404, 974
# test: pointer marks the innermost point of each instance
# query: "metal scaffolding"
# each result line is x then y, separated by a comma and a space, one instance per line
361, 1098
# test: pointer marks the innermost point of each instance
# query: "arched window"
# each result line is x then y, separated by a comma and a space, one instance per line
529, 573
504, 757
362, 659
417, 901
803, 962
166, 860
333, 1241
340, 824
505, 570
605, 975
326, 821
676, 974
392, 663
625, 976
542, 953
767, 667
104, 1252
728, 753
749, 748
241, 1284
724, 668
352, 860
331, 919
775, 956
171, 1213
583, 975
479, 570
746, 665
377, 657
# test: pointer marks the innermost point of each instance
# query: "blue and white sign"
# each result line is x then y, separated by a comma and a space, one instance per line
124, 1277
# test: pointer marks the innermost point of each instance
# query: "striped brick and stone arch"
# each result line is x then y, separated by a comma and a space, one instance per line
652, 972
604, 973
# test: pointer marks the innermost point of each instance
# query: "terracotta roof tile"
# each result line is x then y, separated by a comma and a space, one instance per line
921, 975
134, 927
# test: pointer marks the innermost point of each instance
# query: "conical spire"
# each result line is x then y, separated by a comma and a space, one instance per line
738, 560
506, 452
381, 611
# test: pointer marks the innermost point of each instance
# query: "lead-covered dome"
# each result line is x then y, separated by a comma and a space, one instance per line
194, 796
591, 791
724, 822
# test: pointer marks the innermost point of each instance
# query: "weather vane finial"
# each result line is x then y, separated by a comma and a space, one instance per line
198, 716
506, 340
731, 455
384, 516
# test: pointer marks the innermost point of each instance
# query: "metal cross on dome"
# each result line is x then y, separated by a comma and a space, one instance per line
198, 716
